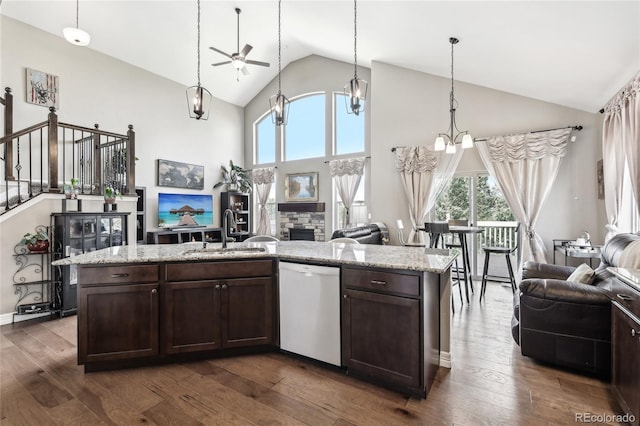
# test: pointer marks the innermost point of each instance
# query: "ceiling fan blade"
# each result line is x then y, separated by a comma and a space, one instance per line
245, 50
262, 64
244, 70
221, 63
220, 51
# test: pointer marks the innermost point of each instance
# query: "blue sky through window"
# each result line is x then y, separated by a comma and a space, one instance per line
266, 141
349, 128
304, 134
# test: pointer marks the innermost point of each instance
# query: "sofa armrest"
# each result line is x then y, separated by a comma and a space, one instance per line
564, 291
545, 270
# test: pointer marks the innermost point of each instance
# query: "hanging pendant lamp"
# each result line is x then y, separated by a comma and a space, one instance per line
278, 103
198, 98
355, 90
447, 141
75, 35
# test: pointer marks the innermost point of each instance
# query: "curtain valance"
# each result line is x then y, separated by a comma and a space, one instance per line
628, 92
264, 175
416, 159
347, 166
531, 146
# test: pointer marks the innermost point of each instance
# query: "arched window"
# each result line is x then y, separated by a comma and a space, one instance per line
264, 132
304, 135
348, 136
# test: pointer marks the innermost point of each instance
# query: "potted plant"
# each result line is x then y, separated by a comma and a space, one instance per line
110, 194
235, 177
71, 190
36, 243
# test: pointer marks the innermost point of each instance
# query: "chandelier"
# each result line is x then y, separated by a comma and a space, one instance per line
198, 98
453, 134
356, 89
75, 35
278, 103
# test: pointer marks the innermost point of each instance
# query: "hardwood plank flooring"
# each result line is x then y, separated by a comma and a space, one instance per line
490, 383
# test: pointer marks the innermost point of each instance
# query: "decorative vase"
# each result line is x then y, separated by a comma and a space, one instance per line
109, 200
70, 193
40, 246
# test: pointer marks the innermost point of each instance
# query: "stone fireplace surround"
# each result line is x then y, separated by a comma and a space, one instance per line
301, 215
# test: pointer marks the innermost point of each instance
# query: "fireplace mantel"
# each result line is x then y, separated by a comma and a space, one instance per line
301, 207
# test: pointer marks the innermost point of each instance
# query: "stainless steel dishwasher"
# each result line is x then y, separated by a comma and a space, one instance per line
310, 311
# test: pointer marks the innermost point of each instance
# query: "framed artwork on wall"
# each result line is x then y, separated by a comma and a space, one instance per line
180, 175
42, 88
301, 187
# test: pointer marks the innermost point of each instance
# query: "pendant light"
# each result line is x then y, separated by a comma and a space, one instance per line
76, 35
198, 98
356, 89
451, 140
279, 104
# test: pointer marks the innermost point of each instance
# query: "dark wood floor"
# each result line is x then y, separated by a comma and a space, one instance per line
490, 383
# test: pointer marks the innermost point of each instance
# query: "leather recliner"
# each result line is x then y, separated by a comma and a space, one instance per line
567, 323
372, 233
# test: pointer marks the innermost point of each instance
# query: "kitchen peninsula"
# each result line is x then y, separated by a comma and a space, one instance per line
139, 305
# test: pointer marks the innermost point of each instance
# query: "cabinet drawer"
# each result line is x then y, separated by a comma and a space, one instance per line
626, 296
118, 274
219, 270
388, 282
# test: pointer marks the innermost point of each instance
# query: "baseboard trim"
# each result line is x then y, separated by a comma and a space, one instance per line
445, 359
9, 318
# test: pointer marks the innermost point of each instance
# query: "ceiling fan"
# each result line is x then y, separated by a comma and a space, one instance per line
239, 60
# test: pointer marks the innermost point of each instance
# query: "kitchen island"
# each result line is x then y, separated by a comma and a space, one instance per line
139, 305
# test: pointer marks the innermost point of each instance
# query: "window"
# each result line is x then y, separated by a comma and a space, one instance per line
629, 218
359, 211
265, 140
348, 128
304, 135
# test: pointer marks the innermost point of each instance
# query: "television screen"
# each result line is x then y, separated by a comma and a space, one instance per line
184, 210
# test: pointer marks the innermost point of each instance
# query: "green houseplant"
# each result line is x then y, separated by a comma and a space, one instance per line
37, 242
110, 194
235, 177
71, 191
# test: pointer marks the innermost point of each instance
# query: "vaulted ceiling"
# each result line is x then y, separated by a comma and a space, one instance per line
573, 53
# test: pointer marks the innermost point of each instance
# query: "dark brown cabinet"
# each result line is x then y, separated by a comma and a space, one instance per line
118, 313
389, 332
232, 304
625, 344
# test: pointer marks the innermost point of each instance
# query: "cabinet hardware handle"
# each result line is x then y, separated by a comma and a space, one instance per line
378, 282
624, 297
154, 291
633, 332
224, 286
345, 296
217, 286
119, 275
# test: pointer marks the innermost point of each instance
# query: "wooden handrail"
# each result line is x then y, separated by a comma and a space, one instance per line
90, 130
23, 132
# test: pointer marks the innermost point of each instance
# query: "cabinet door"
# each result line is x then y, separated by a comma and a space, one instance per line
247, 312
381, 336
626, 352
117, 322
192, 315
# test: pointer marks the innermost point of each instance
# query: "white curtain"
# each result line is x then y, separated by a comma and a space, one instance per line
347, 174
416, 165
263, 179
525, 167
620, 144
445, 168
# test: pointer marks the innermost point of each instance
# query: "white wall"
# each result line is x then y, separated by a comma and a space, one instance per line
310, 74
95, 88
410, 108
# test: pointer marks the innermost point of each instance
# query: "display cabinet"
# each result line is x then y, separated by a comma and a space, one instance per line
141, 226
75, 233
239, 204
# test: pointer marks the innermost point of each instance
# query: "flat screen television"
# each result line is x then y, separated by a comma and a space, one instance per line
185, 210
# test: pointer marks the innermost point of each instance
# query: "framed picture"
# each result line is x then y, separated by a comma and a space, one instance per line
180, 175
301, 187
42, 88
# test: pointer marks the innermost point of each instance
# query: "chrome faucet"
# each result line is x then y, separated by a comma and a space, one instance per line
225, 237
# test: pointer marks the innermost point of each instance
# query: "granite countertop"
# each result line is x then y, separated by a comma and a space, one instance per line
393, 257
629, 276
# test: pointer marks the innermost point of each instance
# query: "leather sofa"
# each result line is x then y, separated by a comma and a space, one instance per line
372, 233
567, 323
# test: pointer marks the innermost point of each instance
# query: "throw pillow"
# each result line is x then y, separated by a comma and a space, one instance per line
583, 274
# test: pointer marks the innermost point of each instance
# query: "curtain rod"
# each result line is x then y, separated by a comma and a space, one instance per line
578, 128
327, 162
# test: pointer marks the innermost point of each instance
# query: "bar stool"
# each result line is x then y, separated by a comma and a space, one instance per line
488, 251
436, 231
